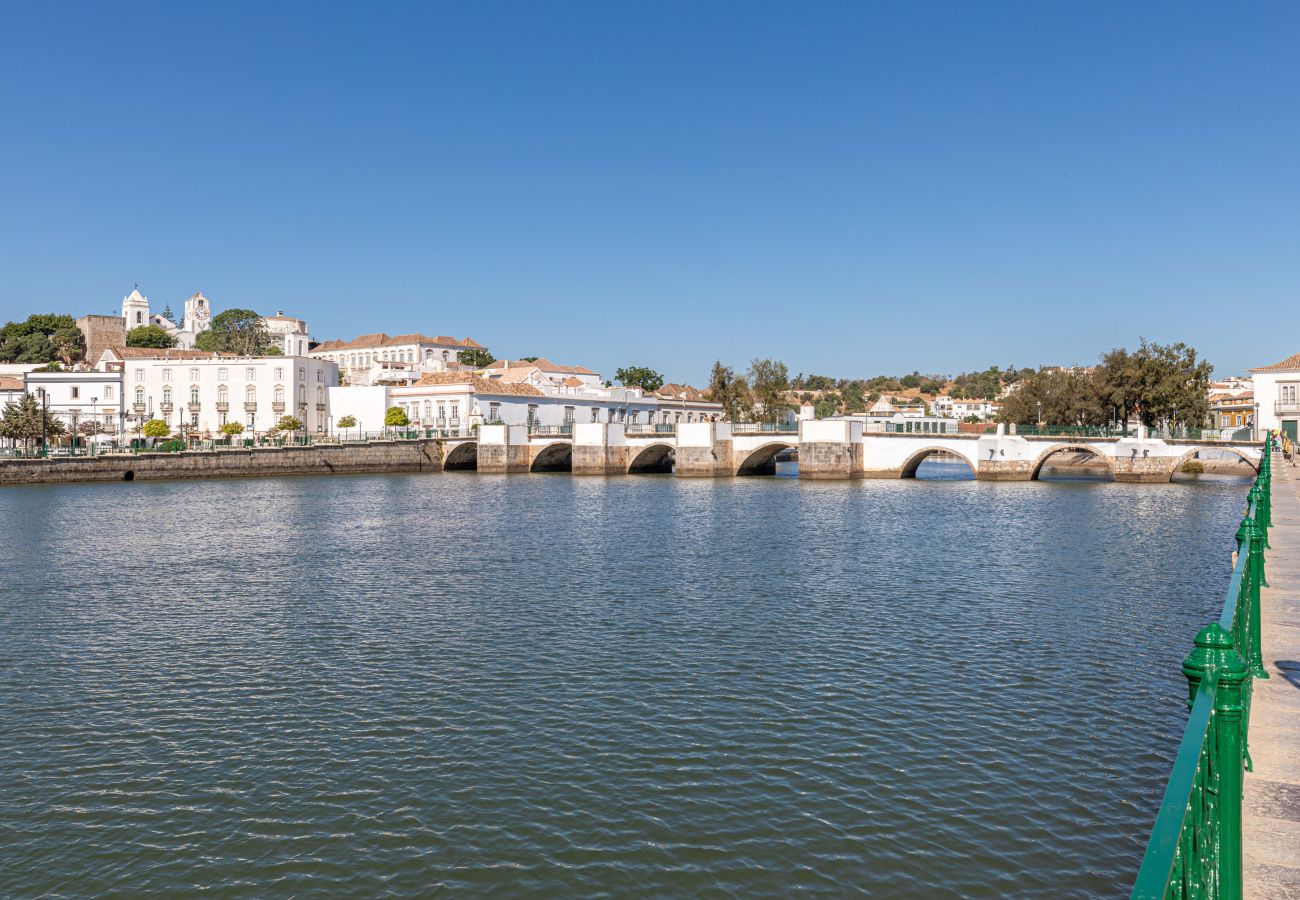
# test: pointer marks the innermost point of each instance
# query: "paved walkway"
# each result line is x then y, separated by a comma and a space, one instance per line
1271, 824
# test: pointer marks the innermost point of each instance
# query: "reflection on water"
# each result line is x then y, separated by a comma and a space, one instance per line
554, 686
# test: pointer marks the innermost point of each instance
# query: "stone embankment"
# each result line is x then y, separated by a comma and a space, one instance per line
318, 459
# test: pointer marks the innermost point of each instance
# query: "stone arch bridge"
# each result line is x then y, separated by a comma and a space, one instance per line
827, 450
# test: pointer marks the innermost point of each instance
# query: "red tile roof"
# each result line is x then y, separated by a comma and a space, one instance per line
541, 363
1291, 363
379, 339
481, 385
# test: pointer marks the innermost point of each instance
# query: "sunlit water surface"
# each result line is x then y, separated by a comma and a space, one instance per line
555, 686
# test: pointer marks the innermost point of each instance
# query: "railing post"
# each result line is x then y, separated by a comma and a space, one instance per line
1215, 658
1230, 746
1255, 564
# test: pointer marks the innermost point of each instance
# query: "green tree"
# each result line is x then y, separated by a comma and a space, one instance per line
732, 391
156, 428
150, 336
825, 407
289, 423
21, 421
347, 422
239, 331
232, 429
396, 417
816, 383
42, 338
769, 381
639, 376
476, 357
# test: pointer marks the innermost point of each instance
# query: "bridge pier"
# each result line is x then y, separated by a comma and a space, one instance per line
830, 450
600, 449
704, 450
503, 449
1142, 461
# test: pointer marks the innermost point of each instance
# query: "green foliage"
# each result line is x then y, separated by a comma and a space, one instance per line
1158, 383
911, 381
42, 338
931, 387
239, 331
289, 423
477, 357
732, 391
825, 407
396, 417
150, 336
156, 428
49, 367
769, 381
21, 421
639, 376
347, 422
813, 383
230, 429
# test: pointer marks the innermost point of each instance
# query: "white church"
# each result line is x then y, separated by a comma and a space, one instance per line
292, 333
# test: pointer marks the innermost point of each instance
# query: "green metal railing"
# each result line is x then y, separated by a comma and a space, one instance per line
1195, 846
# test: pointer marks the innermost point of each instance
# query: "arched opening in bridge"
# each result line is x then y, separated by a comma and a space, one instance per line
557, 457
938, 464
463, 457
128, 475
1214, 462
1073, 462
655, 459
763, 460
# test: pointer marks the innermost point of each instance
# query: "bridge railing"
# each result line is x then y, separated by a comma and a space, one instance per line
1195, 846
763, 428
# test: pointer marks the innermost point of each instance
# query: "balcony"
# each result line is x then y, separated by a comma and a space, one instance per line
193, 407
1286, 406
165, 407
223, 406
137, 408
250, 406
277, 407
320, 407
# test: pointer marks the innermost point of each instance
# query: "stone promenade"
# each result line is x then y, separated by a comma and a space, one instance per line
1271, 813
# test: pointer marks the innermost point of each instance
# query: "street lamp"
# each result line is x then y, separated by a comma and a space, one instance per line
45, 406
1040, 413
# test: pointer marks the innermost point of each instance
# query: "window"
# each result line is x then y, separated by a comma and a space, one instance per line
532, 414
595, 414
194, 374
279, 393
139, 396
568, 415
428, 410
320, 395
320, 376
221, 419
302, 395
223, 396
302, 374
455, 410
108, 392
139, 374
76, 392
194, 393
635, 416
1287, 393
250, 394
279, 374
251, 420
167, 374
442, 411
167, 396
446, 357
494, 412
139, 318
223, 374
250, 374
194, 419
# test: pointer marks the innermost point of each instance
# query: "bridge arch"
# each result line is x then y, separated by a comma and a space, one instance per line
462, 456
1071, 448
556, 457
656, 458
1240, 454
914, 461
762, 460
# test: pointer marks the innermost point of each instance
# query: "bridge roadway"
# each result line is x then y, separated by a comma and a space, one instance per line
1271, 805
827, 450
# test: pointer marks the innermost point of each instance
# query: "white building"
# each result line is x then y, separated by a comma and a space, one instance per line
521, 370
983, 409
425, 354
458, 401
290, 333
77, 397
204, 391
1277, 396
11, 389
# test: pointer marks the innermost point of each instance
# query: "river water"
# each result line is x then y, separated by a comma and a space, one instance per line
557, 687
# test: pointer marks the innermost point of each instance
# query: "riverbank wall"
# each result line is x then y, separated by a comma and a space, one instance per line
318, 459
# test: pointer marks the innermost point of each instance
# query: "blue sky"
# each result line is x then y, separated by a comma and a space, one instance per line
853, 188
